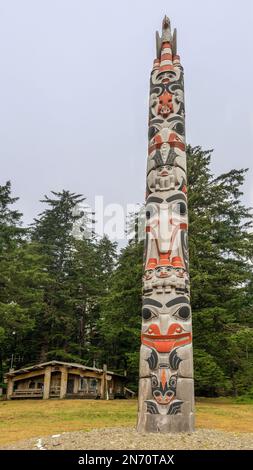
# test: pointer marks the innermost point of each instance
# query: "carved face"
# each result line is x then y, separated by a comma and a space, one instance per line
163, 271
165, 106
163, 386
166, 136
169, 76
148, 274
166, 220
166, 155
166, 100
167, 91
176, 336
180, 272
164, 171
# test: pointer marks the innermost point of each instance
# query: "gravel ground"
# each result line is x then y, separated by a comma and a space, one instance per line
129, 439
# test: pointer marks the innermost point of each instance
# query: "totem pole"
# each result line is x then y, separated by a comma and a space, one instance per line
166, 389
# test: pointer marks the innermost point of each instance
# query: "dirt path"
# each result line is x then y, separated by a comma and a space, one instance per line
128, 439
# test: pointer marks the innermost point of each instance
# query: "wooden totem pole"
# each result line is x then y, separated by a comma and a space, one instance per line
166, 389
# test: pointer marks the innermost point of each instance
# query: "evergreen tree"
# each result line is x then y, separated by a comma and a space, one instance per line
92, 267
11, 231
52, 233
78, 269
220, 244
53, 230
121, 313
20, 283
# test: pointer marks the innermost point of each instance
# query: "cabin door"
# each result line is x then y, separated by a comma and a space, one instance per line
70, 386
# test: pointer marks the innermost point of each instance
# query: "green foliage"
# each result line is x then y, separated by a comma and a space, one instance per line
120, 322
20, 282
221, 249
10, 229
78, 270
209, 377
246, 398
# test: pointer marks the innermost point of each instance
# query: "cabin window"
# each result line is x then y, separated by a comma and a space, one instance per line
32, 384
83, 383
93, 384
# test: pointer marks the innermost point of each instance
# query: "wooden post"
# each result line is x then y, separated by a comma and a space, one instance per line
10, 387
76, 384
104, 388
64, 382
166, 393
47, 382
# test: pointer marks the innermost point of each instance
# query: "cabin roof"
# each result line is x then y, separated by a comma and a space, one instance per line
69, 365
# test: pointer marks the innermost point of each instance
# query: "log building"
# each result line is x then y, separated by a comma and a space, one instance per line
56, 379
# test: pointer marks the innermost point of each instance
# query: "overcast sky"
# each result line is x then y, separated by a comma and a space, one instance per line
74, 85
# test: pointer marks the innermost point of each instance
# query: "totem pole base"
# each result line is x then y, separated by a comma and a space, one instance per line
178, 416
175, 416
164, 424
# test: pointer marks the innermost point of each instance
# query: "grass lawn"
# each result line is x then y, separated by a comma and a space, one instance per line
31, 418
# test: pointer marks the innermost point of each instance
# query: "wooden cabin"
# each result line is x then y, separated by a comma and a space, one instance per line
56, 379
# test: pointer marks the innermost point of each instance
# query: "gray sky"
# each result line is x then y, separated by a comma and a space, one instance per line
74, 91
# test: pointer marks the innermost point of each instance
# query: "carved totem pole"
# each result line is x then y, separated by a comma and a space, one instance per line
166, 390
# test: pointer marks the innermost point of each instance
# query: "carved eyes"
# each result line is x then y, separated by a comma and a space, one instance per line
163, 269
183, 313
158, 90
179, 128
169, 75
182, 208
173, 382
147, 314
179, 270
154, 381
149, 272
165, 167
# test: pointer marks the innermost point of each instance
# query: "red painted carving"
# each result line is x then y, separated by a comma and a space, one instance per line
176, 336
165, 104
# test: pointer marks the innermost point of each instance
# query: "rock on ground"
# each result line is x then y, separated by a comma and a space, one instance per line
128, 439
